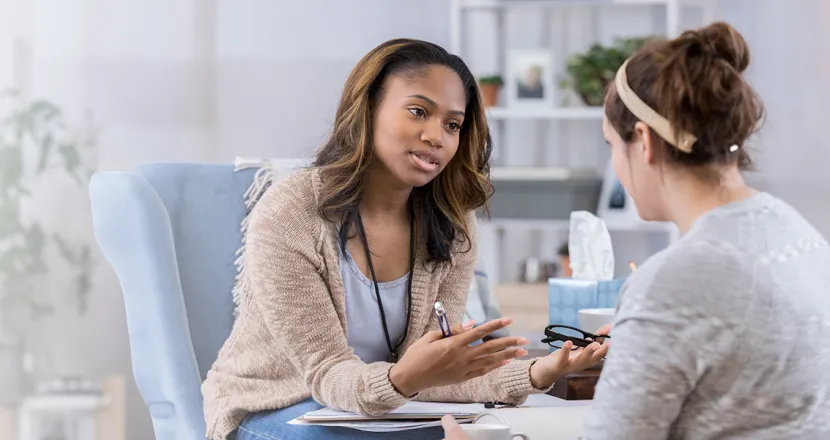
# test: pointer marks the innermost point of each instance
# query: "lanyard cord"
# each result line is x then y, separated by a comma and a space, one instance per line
362, 232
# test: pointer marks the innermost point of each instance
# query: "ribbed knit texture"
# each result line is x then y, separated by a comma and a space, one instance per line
289, 341
725, 335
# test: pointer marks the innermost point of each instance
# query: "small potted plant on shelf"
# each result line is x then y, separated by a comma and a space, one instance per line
490, 86
590, 72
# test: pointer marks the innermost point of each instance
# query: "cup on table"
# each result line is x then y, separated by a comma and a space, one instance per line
592, 319
491, 432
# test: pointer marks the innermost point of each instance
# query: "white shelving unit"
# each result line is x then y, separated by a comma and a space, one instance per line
575, 149
673, 11
560, 113
537, 174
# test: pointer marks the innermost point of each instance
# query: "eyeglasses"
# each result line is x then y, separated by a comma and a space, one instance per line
557, 335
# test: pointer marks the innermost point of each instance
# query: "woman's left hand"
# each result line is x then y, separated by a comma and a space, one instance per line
565, 361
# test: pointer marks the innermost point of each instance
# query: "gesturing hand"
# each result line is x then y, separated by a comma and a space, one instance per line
436, 361
566, 360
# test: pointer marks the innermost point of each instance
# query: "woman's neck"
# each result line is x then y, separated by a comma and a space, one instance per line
384, 196
688, 198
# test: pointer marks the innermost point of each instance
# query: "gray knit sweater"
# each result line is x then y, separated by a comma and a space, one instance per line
724, 335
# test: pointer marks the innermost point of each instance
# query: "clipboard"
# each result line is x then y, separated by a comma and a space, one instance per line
413, 411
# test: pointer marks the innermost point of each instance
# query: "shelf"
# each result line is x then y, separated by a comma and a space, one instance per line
575, 113
557, 225
541, 174
502, 4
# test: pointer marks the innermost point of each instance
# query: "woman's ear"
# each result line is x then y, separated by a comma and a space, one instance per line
647, 144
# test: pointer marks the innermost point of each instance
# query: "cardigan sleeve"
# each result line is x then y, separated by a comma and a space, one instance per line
508, 384
284, 263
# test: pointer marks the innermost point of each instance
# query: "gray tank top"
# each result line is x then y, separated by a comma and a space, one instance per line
363, 323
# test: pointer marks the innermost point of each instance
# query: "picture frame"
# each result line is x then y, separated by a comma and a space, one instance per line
615, 204
530, 78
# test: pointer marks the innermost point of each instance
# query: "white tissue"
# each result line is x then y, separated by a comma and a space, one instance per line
590, 248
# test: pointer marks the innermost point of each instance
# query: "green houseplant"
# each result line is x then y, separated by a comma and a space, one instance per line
490, 86
590, 72
36, 142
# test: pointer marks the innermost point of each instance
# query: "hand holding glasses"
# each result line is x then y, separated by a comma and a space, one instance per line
557, 335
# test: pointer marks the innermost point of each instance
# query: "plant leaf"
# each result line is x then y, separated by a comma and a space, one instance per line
11, 167
46, 145
71, 160
9, 218
35, 244
44, 110
65, 250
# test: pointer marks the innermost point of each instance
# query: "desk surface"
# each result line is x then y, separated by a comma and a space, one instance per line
548, 401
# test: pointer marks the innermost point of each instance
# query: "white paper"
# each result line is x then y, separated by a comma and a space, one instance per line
464, 413
589, 247
377, 425
411, 409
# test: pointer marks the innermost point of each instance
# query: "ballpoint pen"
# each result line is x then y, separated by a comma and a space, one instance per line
443, 323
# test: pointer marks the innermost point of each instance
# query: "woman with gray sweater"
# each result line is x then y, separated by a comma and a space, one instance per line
726, 334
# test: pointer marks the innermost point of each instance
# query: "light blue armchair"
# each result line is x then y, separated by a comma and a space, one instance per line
170, 232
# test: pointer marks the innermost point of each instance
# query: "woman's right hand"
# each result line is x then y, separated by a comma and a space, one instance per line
434, 361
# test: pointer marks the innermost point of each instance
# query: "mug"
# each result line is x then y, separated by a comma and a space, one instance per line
491, 432
592, 319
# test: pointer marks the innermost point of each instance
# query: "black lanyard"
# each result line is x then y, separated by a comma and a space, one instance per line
393, 351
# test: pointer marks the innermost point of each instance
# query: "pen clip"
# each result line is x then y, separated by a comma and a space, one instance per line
443, 322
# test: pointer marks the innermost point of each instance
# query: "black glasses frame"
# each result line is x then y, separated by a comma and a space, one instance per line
587, 337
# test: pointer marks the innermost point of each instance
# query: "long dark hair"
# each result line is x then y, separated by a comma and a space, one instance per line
461, 187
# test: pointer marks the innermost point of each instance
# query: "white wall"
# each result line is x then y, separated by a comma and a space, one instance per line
281, 65
790, 44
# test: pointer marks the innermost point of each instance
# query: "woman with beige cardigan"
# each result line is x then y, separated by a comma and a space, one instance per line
345, 260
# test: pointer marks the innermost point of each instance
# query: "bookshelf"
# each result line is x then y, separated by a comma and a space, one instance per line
550, 159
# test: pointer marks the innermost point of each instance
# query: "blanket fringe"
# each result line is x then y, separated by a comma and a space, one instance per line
267, 173
262, 180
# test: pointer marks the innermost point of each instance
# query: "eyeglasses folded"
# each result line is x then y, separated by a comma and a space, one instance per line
557, 335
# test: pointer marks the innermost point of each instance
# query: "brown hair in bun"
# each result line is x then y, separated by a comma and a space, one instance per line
696, 82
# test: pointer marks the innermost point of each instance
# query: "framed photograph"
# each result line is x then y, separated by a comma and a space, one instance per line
529, 79
615, 205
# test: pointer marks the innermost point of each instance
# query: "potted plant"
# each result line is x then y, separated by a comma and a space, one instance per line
590, 72
490, 86
36, 142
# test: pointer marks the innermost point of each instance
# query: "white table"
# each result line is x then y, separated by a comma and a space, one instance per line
543, 417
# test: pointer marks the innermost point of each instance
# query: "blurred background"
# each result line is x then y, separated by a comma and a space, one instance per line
109, 84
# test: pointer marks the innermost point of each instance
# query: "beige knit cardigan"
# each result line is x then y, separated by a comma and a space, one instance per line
289, 339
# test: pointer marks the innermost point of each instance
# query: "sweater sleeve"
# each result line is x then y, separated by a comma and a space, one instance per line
508, 384
285, 267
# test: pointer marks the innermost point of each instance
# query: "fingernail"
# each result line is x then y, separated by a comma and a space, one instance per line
468, 325
521, 352
522, 341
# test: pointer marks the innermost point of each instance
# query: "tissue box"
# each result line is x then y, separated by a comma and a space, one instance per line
566, 296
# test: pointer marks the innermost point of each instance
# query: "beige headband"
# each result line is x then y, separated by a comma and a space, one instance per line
643, 112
